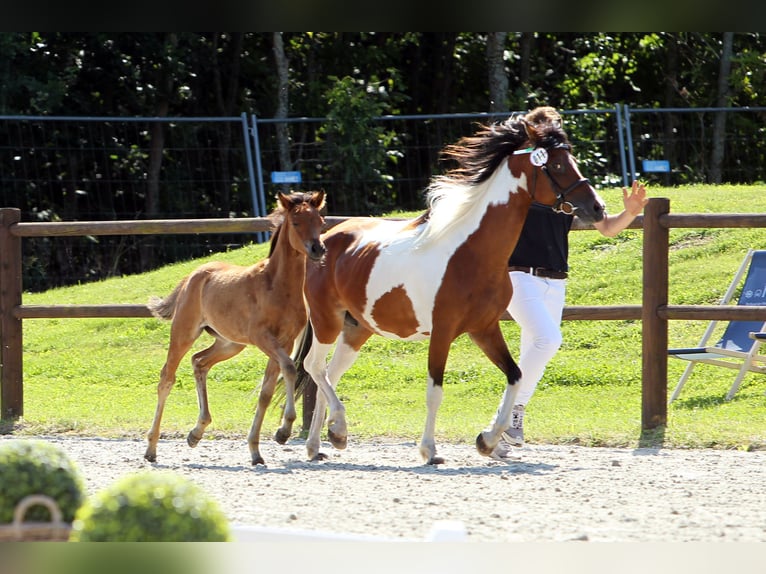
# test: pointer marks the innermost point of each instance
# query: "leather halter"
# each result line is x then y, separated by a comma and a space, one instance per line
561, 205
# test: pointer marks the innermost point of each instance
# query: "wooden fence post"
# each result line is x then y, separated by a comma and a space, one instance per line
11, 351
654, 368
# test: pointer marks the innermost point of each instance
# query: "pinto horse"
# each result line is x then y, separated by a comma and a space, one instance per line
443, 273
259, 305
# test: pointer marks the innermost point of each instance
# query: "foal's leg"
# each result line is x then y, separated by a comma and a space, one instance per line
219, 351
290, 375
180, 343
270, 377
494, 346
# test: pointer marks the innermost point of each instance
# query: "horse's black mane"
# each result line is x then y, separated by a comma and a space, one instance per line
478, 156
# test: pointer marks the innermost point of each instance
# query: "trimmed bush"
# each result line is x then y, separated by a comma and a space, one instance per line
31, 466
151, 506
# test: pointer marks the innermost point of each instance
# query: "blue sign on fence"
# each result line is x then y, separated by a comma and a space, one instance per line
656, 165
285, 177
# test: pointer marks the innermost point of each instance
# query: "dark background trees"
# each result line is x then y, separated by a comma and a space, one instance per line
223, 73
345, 77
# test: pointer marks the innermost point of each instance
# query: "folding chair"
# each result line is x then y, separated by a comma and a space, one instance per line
736, 349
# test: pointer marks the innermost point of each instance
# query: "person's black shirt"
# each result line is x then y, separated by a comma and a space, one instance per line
544, 240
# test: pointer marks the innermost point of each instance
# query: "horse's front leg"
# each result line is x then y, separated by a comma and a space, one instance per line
434, 394
494, 346
290, 374
270, 377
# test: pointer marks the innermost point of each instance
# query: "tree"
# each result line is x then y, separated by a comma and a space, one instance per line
498, 78
282, 101
719, 122
357, 150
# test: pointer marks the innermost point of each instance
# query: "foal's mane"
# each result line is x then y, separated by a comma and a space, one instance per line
277, 216
452, 197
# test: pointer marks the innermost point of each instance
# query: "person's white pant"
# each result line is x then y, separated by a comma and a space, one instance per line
536, 305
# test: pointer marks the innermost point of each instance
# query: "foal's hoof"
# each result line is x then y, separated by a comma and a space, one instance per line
192, 440
150, 456
435, 460
258, 459
318, 456
337, 441
482, 446
281, 436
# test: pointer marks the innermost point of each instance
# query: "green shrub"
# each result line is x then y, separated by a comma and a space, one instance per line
31, 466
151, 506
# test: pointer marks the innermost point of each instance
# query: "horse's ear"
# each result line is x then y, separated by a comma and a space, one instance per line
532, 133
317, 199
284, 200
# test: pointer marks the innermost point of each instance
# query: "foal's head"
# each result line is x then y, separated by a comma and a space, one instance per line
553, 177
301, 218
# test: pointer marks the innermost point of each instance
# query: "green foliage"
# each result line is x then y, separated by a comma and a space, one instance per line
358, 149
150, 506
30, 466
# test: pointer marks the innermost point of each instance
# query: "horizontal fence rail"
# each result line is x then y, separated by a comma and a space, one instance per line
654, 312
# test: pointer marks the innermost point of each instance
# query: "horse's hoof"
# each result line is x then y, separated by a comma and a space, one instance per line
192, 440
258, 459
150, 456
282, 436
435, 460
337, 441
318, 456
482, 446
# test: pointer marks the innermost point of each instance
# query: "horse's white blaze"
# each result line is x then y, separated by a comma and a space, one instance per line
420, 273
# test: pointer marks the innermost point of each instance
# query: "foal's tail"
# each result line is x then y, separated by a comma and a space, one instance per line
165, 308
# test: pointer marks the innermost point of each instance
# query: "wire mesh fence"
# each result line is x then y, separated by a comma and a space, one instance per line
111, 168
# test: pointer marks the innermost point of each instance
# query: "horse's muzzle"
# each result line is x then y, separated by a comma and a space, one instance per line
591, 210
316, 250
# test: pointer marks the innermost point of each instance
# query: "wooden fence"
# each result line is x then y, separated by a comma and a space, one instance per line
654, 312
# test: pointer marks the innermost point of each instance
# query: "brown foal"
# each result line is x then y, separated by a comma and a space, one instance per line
260, 305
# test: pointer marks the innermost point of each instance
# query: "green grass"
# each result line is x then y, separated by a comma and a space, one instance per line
98, 376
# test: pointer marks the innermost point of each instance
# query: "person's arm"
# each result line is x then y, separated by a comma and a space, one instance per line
634, 204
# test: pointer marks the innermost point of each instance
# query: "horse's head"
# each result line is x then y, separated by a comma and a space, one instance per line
552, 175
303, 221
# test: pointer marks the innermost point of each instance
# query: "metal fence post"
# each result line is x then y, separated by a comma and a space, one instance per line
258, 169
621, 144
629, 137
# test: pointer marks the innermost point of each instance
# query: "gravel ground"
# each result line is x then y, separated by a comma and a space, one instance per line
382, 490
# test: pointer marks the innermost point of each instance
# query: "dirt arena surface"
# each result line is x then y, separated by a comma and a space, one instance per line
382, 490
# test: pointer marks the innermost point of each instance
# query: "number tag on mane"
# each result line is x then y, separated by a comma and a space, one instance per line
539, 157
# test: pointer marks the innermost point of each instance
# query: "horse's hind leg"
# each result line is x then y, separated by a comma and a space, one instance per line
219, 351
327, 377
438, 350
178, 347
270, 377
